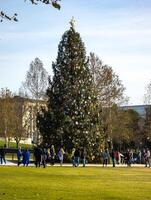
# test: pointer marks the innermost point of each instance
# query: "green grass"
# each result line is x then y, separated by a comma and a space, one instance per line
13, 145
64, 183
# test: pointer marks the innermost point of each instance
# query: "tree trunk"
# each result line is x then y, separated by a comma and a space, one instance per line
17, 143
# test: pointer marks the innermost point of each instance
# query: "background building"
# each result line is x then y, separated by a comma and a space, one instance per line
21, 118
141, 109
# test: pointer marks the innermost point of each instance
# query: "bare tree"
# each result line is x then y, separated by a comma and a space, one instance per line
147, 95
107, 84
13, 125
35, 85
21, 120
6, 114
36, 81
110, 92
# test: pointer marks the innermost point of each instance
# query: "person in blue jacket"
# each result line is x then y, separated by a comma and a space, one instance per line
26, 157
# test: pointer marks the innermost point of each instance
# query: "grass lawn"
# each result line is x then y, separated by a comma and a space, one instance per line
13, 145
63, 183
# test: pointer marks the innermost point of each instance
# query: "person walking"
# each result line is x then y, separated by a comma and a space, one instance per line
131, 157
19, 156
37, 156
44, 156
106, 156
26, 157
61, 153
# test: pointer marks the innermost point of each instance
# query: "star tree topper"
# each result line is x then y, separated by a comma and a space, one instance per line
72, 23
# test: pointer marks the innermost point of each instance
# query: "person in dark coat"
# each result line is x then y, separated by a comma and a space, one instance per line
128, 158
77, 157
19, 155
117, 157
37, 155
2, 155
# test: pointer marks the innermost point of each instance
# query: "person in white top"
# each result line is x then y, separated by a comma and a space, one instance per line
147, 158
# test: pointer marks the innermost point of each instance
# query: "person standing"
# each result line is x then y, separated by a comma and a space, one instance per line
128, 158
24, 158
117, 157
37, 156
52, 155
19, 155
147, 158
83, 156
131, 157
77, 157
139, 157
27, 157
73, 157
2, 155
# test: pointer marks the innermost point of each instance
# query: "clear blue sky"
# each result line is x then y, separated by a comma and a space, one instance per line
118, 31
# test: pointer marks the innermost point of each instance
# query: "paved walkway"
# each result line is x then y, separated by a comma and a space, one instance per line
9, 163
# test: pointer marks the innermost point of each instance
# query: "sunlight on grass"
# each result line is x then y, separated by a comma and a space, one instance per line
75, 183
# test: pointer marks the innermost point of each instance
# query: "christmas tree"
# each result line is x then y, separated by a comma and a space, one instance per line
72, 117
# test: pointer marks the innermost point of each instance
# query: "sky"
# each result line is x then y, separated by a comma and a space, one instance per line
118, 31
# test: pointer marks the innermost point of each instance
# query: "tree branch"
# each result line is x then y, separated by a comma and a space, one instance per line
54, 3
5, 16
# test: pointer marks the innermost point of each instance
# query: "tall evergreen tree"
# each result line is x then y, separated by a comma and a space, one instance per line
72, 117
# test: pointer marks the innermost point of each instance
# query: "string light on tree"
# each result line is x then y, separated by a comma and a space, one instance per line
70, 96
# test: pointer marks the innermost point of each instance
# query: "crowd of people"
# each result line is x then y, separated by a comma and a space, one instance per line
78, 155
23, 156
43, 156
129, 157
